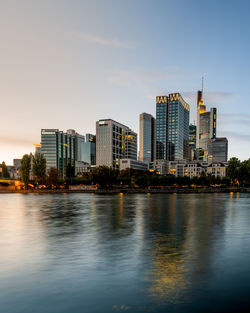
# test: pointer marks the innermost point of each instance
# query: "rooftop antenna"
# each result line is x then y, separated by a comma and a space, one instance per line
202, 84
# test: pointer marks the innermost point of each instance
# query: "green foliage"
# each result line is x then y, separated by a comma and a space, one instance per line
233, 169
25, 169
4, 172
239, 172
53, 179
104, 176
39, 167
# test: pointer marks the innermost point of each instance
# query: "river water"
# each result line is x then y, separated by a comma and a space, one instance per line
124, 253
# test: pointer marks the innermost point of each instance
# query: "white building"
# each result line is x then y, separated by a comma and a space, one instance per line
114, 141
133, 164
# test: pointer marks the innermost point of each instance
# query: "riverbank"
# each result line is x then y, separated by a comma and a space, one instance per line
134, 190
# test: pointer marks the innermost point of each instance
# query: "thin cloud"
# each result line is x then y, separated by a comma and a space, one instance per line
16, 141
235, 135
103, 41
236, 119
146, 78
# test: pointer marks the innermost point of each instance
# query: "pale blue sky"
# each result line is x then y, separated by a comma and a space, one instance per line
66, 64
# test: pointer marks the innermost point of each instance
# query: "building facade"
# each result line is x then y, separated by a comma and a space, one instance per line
218, 149
59, 149
206, 127
196, 168
78, 139
88, 149
172, 127
114, 141
147, 145
133, 164
192, 142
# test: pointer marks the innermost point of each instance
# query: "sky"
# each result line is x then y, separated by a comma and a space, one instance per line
66, 64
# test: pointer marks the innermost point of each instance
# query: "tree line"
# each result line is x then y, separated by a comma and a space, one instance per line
238, 173
107, 177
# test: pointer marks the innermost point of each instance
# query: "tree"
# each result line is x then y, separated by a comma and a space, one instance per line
244, 177
25, 169
39, 166
234, 169
53, 177
4, 172
104, 176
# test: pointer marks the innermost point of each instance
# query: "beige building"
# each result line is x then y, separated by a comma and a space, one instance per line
114, 141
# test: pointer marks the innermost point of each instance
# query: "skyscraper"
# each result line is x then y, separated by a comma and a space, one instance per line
206, 127
172, 127
114, 141
147, 146
58, 148
218, 149
88, 149
192, 141
79, 139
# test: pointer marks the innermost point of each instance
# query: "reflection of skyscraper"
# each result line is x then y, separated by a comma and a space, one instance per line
206, 126
147, 138
172, 127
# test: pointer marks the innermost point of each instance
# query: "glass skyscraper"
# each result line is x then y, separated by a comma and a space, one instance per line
59, 149
147, 138
172, 127
88, 149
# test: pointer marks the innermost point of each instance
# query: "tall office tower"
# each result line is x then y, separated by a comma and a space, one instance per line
147, 144
79, 139
218, 149
88, 149
114, 141
206, 127
192, 141
58, 148
172, 127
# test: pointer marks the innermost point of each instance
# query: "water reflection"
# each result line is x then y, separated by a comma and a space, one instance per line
139, 252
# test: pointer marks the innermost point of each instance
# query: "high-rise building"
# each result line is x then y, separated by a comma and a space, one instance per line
192, 141
58, 148
88, 149
172, 127
206, 127
114, 141
218, 149
192, 136
79, 139
147, 146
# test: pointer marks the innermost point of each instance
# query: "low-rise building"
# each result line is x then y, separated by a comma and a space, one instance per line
82, 168
217, 169
133, 164
160, 166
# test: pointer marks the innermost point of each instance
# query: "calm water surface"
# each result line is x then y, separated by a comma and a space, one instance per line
132, 253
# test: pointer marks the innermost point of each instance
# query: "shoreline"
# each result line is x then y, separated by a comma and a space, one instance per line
133, 191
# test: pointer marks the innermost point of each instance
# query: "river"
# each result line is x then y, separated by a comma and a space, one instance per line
124, 253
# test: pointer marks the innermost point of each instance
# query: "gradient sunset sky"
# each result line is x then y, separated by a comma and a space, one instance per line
66, 64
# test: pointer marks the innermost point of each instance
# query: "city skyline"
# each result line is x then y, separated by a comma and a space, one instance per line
68, 65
